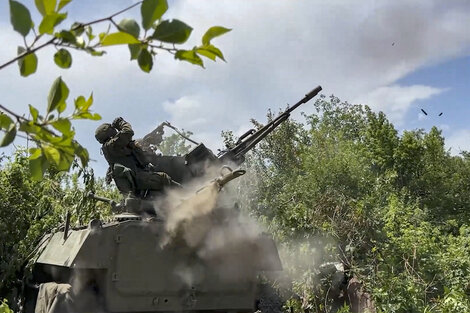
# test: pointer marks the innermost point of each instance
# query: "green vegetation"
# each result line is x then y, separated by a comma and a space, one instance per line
344, 187
30, 209
393, 209
174, 144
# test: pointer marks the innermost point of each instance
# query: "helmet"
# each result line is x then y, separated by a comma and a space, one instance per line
104, 132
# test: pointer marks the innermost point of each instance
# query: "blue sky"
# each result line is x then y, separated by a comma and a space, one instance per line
396, 56
453, 75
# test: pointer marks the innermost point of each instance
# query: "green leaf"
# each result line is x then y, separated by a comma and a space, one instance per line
210, 52
135, 50
52, 154
34, 113
152, 10
77, 28
213, 32
129, 26
63, 3
9, 136
50, 21
57, 95
37, 166
63, 125
173, 31
5, 121
89, 33
30, 128
63, 58
101, 36
20, 18
60, 108
88, 116
89, 102
82, 153
45, 7
80, 42
145, 61
83, 105
93, 52
67, 36
34, 153
80, 103
119, 38
95, 117
206, 53
27, 64
66, 160
189, 56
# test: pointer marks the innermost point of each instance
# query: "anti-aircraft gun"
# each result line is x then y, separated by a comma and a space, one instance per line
188, 258
195, 163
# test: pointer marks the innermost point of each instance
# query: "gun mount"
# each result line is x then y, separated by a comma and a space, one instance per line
194, 164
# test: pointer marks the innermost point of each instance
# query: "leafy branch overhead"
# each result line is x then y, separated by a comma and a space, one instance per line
52, 132
157, 34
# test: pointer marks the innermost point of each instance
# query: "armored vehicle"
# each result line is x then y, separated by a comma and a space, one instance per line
189, 250
128, 265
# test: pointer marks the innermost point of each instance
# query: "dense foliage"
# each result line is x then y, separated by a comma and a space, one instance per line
392, 208
29, 209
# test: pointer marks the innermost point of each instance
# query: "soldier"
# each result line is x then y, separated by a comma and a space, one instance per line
131, 172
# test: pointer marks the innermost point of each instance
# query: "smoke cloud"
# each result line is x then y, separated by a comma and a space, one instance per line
209, 223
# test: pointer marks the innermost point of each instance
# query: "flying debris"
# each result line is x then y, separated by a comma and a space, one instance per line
424, 112
440, 114
393, 44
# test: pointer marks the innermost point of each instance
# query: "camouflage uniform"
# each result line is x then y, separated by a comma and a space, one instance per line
127, 164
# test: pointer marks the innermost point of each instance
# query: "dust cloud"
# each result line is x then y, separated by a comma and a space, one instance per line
207, 221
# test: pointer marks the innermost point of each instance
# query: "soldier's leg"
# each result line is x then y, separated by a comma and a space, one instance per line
124, 179
148, 180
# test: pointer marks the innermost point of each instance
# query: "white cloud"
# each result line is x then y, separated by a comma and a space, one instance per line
458, 141
396, 100
187, 109
276, 52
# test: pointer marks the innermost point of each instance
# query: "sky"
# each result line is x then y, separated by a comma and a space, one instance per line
397, 56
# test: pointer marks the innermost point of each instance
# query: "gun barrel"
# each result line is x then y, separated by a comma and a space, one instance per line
260, 134
312, 93
91, 195
305, 99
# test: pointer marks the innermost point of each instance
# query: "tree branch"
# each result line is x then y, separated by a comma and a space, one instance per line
52, 40
109, 17
27, 52
35, 39
19, 117
170, 50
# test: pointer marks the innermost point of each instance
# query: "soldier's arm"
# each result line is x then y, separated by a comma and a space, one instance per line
125, 132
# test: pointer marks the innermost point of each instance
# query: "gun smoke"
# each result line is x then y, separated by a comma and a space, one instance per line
210, 225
